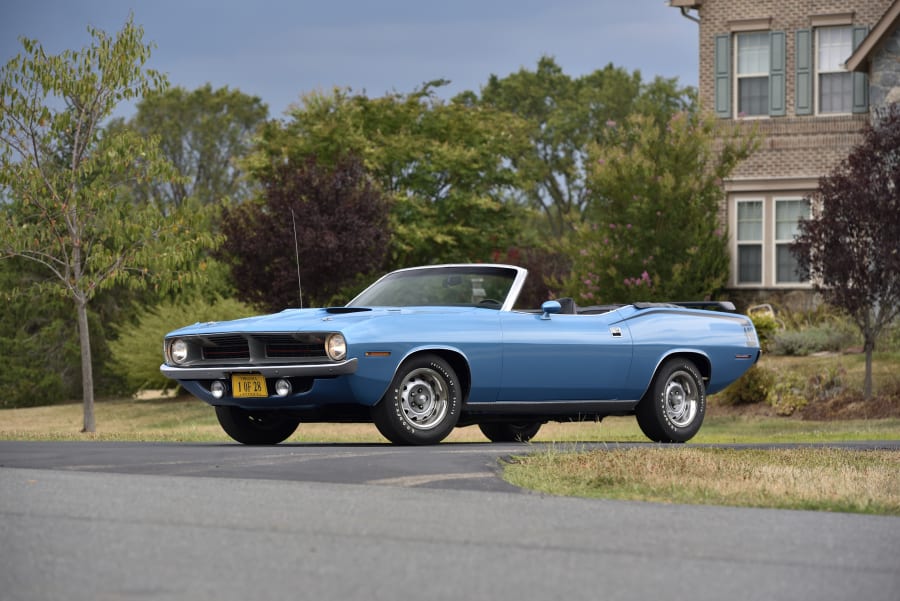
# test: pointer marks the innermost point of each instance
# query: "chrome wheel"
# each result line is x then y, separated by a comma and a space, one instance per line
422, 404
681, 399
673, 407
424, 398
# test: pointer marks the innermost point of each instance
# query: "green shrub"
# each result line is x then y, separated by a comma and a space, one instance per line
823, 314
789, 393
814, 339
826, 384
785, 390
766, 327
138, 351
752, 387
889, 341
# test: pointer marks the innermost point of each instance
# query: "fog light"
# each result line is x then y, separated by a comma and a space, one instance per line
217, 388
282, 387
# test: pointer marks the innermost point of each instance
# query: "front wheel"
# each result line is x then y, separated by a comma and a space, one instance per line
673, 408
506, 432
256, 427
422, 404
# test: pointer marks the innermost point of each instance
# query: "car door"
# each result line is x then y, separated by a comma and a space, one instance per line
563, 357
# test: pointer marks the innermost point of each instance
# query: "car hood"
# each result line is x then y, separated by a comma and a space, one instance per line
310, 320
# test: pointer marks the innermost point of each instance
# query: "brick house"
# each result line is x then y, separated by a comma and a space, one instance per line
798, 71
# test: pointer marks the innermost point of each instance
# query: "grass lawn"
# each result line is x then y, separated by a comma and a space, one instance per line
819, 479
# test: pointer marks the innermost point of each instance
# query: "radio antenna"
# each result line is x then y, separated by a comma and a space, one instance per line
297, 256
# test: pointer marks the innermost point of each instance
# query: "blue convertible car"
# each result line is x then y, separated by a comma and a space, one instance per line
424, 350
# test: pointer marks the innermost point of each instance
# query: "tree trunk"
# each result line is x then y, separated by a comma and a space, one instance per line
87, 371
868, 347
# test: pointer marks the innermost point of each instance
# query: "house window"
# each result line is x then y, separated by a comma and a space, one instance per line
752, 72
835, 84
787, 218
749, 241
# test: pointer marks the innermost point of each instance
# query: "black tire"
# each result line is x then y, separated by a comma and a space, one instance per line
256, 427
672, 410
422, 404
505, 432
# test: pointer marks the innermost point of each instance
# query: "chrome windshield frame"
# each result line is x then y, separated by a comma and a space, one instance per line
508, 303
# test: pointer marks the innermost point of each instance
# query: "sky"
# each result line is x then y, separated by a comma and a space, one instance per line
281, 49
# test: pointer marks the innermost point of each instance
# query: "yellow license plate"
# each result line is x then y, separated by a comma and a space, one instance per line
248, 385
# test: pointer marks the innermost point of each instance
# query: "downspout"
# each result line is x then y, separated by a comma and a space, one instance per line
684, 13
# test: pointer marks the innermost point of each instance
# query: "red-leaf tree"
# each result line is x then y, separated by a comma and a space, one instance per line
851, 244
342, 231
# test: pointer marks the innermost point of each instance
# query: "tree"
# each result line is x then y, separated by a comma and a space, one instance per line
849, 245
34, 340
67, 178
443, 165
205, 134
342, 231
564, 115
652, 231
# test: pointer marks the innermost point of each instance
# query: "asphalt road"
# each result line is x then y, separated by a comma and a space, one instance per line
170, 521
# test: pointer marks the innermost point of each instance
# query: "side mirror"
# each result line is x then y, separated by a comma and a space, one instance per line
550, 307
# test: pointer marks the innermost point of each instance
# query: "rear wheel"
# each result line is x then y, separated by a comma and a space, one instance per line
422, 404
673, 408
504, 432
256, 427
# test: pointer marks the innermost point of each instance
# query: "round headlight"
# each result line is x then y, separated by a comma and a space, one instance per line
336, 347
178, 350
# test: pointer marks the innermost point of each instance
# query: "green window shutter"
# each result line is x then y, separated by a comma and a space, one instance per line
776, 74
723, 76
803, 96
860, 80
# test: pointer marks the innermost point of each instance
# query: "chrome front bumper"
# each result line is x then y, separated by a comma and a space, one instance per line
317, 370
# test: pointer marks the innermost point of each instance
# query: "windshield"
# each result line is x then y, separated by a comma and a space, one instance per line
467, 286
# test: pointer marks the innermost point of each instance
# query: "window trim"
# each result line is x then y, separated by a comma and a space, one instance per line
768, 244
776, 242
737, 76
761, 242
817, 72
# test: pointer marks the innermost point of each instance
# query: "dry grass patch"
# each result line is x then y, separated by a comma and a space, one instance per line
810, 478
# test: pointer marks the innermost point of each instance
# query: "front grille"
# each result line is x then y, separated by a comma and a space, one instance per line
257, 349
224, 348
293, 345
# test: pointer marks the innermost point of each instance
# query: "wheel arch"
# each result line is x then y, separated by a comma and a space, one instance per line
455, 358
699, 359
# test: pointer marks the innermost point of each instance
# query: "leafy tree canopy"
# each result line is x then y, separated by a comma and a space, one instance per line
564, 115
341, 221
444, 165
204, 133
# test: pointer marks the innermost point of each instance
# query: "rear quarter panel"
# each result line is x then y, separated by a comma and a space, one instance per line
721, 339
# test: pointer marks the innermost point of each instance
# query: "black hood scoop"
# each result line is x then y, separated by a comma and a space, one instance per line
342, 310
